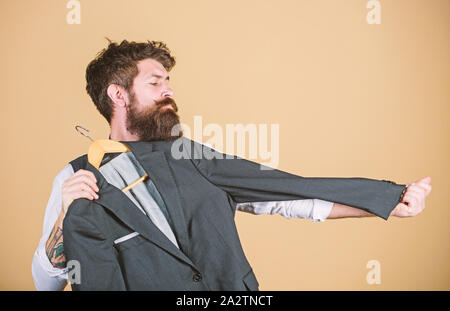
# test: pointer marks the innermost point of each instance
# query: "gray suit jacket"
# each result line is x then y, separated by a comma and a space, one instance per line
201, 196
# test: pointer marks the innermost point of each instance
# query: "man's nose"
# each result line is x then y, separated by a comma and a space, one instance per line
167, 92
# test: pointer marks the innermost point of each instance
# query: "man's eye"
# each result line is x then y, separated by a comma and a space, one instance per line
154, 83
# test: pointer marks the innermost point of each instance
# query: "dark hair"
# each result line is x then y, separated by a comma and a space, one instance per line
117, 64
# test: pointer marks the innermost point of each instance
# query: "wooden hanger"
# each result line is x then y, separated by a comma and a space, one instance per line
100, 147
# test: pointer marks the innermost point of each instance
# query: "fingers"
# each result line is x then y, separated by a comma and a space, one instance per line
83, 176
425, 186
413, 202
410, 200
83, 180
417, 190
420, 187
415, 198
416, 195
84, 189
402, 210
86, 193
426, 180
81, 185
424, 183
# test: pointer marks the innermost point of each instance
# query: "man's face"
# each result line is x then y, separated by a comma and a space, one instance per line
152, 113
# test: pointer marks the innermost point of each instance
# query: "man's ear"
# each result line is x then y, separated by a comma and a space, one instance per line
118, 95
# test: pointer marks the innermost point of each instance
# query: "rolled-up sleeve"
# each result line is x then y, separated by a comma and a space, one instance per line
45, 276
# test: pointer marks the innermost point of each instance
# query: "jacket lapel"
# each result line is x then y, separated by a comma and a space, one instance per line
118, 203
155, 164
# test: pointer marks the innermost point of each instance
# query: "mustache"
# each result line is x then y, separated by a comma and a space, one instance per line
166, 101
153, 123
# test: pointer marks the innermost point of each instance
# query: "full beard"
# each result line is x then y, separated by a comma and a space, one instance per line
154, 123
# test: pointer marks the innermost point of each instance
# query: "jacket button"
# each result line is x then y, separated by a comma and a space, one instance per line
197, 277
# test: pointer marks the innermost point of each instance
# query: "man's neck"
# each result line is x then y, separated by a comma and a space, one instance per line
119, 130
122, 136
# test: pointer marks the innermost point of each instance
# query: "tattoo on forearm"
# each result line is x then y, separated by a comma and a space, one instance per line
55, 249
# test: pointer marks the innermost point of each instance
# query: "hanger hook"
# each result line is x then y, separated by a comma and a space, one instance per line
80, 132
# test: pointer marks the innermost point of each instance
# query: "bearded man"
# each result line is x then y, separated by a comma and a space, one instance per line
129, 84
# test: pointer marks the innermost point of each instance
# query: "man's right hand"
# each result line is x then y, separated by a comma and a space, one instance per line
82, 184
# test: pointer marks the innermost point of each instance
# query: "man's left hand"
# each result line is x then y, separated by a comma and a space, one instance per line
413, 202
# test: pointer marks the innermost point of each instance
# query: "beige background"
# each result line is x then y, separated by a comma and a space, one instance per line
351, 99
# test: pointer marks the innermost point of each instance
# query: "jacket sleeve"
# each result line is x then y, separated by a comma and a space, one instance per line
247, 181
89, 253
